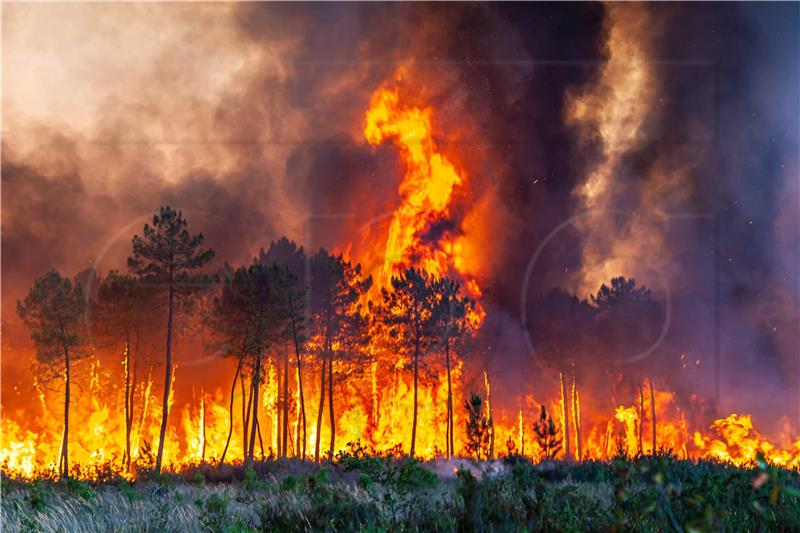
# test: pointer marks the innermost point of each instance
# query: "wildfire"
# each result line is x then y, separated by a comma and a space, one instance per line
426, 191
373, 406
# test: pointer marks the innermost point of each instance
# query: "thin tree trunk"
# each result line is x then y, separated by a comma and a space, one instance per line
230, 407
65, 443
203, 422
330, 402
450, 450
167, 380
285, 399
254, 417
653, 412
260, 440
641, 418
132, 397
126, 458
299, 387
321, 408
576, 416
416, 378
245, 416
565, 412
565, 405
277, 417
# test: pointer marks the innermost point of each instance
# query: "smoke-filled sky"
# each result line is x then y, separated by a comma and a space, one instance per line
615, 138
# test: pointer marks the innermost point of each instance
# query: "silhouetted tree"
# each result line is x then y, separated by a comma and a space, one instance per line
410, 313
122, 316
335, 293
454, 326
547, 435
232, 330
54, 311
562, 332
292, 293
628, 321
167, 258
479, 428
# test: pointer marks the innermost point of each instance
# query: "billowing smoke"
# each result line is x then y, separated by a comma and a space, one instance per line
656, 142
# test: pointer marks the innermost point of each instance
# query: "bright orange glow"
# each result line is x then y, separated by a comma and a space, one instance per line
373, 404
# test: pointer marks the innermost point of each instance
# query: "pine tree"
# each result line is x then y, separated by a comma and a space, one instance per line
167, 258
547, 436
454, 326
479, 428
124, 315
410, 314
54, 312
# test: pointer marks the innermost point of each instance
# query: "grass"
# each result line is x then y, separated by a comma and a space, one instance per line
362, 492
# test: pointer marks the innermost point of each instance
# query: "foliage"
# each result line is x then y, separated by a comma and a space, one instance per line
54, 311
479, 428
547, 436
658, 493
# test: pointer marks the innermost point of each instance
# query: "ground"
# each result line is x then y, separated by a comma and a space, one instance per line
368, 493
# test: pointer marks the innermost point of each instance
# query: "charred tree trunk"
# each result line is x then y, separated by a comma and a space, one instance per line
277, 418
64, 459
330, 403
653, 412
641, 418
416, 379
230, 407
254, 416
132, 396
245, 415
565, 412
126, 458
260, 440
576, 417
299, 387
321, 408
285, 399
203, 422
167, 377
449, 446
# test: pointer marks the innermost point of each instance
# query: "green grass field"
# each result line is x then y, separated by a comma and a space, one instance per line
367, 493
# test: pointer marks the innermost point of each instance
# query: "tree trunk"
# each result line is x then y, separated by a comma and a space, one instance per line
126, 458
300, 388
330, 402
565, 405
230, 408
245, 415
653, 412
285, 399
576, 416
203, 423
65, 443
416, 378
254, 403
167, 380
132, 398
260, 440
641, 418
449, 445
277, 418
321, 408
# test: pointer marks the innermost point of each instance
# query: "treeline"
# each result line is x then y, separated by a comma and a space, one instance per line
317, 305
314, 303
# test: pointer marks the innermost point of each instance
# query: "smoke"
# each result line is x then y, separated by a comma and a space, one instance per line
670, 120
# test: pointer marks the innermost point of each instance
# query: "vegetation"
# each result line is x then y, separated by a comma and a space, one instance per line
54, 310
166, 259
362, 492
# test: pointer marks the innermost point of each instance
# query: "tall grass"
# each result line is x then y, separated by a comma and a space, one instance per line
367, 493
